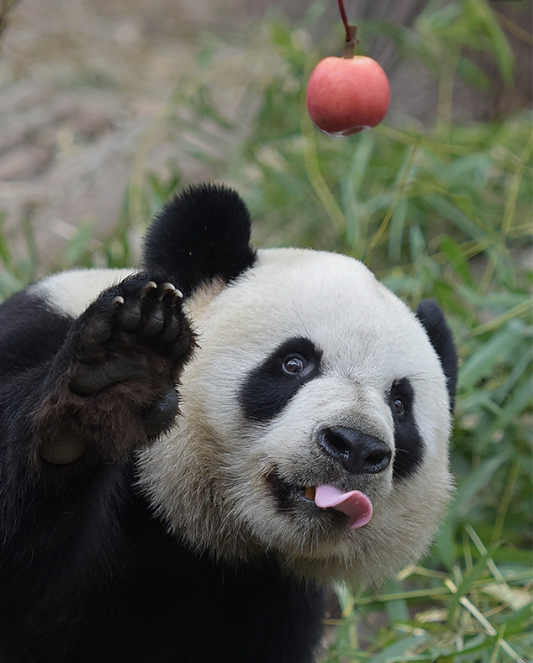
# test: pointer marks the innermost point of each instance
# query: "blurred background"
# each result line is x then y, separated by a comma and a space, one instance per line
107, 107
97, 94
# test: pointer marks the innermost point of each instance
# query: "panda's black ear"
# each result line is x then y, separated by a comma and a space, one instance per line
201, 234
440, 335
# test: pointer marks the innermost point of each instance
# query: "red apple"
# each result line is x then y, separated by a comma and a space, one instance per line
347, 95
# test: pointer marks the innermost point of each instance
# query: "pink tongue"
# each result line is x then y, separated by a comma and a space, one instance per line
354, 504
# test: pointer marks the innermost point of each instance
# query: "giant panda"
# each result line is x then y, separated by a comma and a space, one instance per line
192, 452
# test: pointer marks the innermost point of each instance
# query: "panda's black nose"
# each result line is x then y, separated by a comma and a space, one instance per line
357, 452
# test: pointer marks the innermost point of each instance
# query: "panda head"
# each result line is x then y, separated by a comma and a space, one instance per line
316, 412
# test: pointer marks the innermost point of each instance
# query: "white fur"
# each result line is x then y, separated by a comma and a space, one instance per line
207, 477
71, 292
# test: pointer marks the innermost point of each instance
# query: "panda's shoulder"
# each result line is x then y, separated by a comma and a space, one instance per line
35, 321
70, 292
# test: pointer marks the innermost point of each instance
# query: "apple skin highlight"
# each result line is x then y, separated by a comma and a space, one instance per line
347, 95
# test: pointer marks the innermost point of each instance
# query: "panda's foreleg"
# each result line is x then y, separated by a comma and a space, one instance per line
72, 412
111, 386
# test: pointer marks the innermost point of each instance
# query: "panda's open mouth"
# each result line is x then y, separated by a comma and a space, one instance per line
354, 504
286, 493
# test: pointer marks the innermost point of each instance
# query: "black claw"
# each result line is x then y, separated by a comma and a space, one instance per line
151, 285
168, 288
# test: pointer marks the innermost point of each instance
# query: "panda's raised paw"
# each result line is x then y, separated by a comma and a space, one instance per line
151, 298
132, 331
138, 304
112, 385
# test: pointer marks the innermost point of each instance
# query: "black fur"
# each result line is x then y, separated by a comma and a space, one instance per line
440, 335
409, 448
88, 574
269, 388
202, 233
24, 344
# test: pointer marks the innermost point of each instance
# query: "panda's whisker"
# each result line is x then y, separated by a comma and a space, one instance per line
423, 377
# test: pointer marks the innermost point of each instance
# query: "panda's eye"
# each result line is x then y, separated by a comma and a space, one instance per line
293, 364
398, 406
401, 398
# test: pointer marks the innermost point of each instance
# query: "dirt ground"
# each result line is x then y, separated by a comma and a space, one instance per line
82, 82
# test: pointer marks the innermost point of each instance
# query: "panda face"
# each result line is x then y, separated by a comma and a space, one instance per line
315, 423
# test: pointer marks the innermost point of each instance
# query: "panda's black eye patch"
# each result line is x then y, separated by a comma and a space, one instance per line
408, 443
271, 385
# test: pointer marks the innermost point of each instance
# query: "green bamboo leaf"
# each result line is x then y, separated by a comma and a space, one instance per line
473, 484
514, 623
481, 13
445, 543
466, 584
520, 400
5, 253
495, 351
397, 611
417, 243
9, 285
521, 363
458, 260
360, 163
78, 246
455, 215
397, 228
473, 74
399, 651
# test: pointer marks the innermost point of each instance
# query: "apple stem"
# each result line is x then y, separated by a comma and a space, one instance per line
351, 43
351, 33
